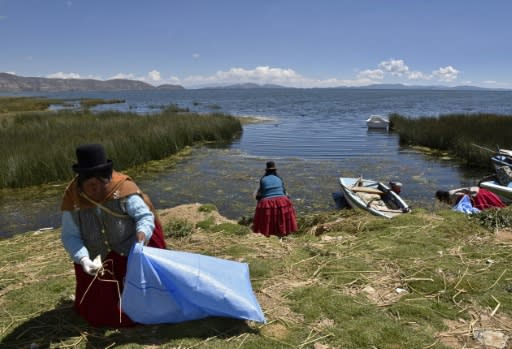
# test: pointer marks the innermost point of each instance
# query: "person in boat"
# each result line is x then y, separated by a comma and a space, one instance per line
480, 198
274, 214
104, 214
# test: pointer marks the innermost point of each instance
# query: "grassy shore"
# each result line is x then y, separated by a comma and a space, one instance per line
39, 147
346, 280
457, 134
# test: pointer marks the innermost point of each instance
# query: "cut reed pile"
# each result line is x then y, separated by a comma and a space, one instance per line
346, 280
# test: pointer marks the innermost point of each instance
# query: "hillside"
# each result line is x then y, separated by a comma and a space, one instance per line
15, 83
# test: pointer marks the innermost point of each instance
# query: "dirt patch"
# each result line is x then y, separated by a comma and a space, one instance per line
486, 330
191, 213
504, 236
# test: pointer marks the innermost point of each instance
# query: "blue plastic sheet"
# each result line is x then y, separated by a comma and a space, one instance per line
164, 286
464, 205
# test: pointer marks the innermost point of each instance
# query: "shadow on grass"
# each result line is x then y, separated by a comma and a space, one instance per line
62, 327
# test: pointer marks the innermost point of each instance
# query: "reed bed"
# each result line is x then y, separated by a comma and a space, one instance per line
19, 104
458, 134
39, 148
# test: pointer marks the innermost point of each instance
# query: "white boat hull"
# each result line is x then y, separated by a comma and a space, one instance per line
498, 189
377, 121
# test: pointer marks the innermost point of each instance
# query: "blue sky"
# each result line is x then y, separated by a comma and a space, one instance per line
295, 43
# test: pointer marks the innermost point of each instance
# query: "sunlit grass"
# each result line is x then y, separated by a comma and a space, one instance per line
337, 288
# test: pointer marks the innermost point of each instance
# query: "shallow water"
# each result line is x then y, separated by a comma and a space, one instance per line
315, 136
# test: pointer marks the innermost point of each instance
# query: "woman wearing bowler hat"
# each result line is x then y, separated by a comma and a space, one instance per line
274, 213
103, 214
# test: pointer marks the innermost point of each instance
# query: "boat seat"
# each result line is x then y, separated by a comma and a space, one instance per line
367, 190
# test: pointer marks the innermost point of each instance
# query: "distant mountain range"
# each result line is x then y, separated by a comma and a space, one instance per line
15, 83
367, 87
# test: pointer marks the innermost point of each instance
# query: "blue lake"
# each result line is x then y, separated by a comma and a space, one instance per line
314, 135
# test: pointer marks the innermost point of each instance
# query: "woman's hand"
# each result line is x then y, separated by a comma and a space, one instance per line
141, 237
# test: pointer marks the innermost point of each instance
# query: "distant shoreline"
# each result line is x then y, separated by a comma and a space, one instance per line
10, 83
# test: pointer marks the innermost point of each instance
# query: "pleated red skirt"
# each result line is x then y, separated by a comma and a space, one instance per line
97, 300
486, 199
274, 216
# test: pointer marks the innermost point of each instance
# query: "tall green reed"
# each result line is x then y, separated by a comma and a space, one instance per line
39, 148
464, 135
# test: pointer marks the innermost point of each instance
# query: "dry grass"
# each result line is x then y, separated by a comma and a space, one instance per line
347, 281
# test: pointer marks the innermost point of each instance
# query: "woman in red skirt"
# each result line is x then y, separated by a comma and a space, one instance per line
104, 214
481, 198
274, 213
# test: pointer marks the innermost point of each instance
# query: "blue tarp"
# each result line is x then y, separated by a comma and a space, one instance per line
165, 286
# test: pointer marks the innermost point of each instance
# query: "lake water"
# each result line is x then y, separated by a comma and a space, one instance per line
314, 135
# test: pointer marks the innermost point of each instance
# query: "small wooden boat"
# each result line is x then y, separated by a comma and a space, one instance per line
377, 121
372, 196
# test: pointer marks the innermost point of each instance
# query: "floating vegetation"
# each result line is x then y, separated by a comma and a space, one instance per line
92, 102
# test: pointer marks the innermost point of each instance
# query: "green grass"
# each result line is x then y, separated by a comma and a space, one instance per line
336, 288
39, 148
457, 134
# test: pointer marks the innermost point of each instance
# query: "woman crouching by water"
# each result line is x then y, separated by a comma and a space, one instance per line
275, 214
480, 198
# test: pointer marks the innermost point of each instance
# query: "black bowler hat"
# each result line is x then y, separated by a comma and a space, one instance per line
271, 165
91, 158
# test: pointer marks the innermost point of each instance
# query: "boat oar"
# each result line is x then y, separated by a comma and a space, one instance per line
484, 148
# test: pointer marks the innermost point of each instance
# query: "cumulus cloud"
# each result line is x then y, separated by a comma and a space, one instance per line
396, 67
375, 74
61, 75
446, 74
154, 75
278, 76
123, 76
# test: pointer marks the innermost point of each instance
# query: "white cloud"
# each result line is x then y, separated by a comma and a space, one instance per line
2, 18
375, 74
195, 55
417, 75
446, 74
61, 75
123, 76
69, 3
270, 75
396, 67
154, 75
